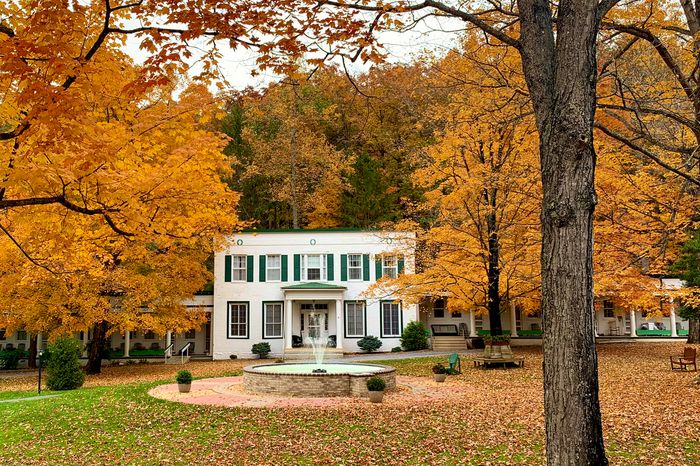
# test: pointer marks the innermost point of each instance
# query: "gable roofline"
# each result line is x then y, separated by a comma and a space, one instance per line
323, 230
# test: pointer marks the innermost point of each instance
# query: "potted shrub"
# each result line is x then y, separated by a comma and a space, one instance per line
439, 372
261, 349
184, 381
375, 387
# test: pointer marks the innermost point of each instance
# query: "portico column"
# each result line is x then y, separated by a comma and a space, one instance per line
513, 320
633, 323
339, 323
169, 340
127, 343
288, 323
674, 332
472, 324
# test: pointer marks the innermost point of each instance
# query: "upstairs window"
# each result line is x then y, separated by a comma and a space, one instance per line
313, 267
390, 266
608, 308
274, 268
439, 308
239, 268
355, 266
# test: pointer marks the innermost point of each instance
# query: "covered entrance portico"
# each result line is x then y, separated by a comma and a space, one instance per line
313, 310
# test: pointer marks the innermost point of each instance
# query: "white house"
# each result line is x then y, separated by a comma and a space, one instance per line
283, 287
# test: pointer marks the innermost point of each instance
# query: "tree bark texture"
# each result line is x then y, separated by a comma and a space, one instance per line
33, 350
96, 348
694, 330
561, 73
494, 272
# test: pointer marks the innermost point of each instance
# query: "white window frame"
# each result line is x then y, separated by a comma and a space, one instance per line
363, 316
276, 269
246, 313
279, 321
237, 270
390, 305
358, 268
390, 266
305, 267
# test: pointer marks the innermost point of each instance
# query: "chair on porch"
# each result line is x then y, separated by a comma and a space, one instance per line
297, 342
455, 363
332, 341
614, 329
685, 361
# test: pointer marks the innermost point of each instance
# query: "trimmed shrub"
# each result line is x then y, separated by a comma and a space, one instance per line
369, 343
413, 337
396, 349
376, 384
63, 371
261, 349
184, 377
9, 359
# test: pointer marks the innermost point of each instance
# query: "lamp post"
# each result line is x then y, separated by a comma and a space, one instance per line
41, 354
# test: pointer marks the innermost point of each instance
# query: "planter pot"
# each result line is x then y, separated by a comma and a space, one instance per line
376, 397
184, 387
440, 377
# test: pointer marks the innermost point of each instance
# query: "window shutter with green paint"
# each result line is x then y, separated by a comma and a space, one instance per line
343, 267
263, 268
249, 268
365, 267
227, 268
401, 264
330, 272
285, 266
378, 266
297, 267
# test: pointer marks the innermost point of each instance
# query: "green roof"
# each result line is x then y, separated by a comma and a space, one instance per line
314, 286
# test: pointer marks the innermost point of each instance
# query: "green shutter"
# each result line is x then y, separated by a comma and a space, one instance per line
401, 264
297, 267
365, 267
249, 268
343, 267
285, 266
227, 268
263, 267
378, 266
330, 275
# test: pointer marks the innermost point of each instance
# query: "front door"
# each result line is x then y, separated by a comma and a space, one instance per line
316, 324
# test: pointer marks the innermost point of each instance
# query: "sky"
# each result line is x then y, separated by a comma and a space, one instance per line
238, 66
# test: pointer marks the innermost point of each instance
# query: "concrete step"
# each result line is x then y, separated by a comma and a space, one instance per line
177, 359
449, 343
308, 353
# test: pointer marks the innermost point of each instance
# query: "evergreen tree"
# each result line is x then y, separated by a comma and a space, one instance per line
688, 266
368, 201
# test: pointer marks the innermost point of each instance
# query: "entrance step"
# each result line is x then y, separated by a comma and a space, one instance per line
449, 343
177, 359
308, 353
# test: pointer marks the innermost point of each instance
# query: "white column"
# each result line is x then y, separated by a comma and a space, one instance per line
674, 332
168, 338
339, 323
472, 324
85, 341
127, 343
633, 323
288, 323
513, 320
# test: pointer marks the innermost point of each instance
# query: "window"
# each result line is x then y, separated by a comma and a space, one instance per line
274, 268
272, 326
608, 308
456, 315
313, 267
355, 319
390, 266
355, 266
439, 308
149, 335
238, 320
391, 315
2, 334
21, 334
190, 334
240, 268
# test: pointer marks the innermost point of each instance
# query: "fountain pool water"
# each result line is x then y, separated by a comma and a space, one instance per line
298, 379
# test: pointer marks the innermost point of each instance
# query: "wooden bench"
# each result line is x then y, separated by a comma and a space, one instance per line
485, 362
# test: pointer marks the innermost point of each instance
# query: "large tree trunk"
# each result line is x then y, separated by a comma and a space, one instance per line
494, 274
694, 330
33, 350
561, 76
96, 348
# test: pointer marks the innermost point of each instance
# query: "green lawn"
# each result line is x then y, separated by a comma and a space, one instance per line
496, 416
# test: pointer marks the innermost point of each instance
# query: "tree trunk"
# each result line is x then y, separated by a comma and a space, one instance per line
694, 330
561, 75
494, 275
33, 350
96, 348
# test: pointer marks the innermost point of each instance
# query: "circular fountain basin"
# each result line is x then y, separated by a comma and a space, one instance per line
297, 379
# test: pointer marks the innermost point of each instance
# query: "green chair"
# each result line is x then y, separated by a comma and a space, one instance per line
455, 363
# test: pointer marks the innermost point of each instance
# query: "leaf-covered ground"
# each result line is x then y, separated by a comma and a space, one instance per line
650, 417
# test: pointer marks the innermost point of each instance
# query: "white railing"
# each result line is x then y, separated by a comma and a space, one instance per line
168, 352
185, 352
